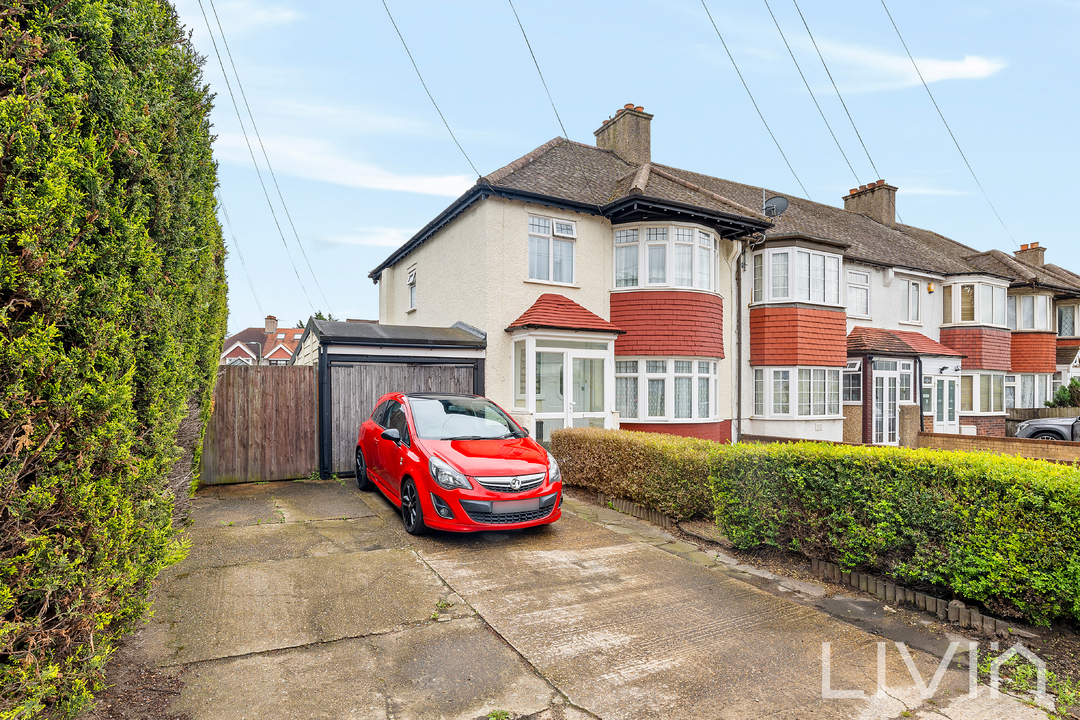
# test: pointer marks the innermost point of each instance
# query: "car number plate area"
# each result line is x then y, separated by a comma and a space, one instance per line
515, 506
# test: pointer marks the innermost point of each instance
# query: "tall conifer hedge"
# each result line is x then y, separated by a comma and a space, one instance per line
112, 311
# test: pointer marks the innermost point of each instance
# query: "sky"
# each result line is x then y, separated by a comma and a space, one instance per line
363, 160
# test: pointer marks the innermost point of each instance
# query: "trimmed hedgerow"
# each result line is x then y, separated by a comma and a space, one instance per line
112, 309
993, 529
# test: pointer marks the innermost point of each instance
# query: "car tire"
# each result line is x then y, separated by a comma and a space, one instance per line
1045, 436
363, 482
412, 513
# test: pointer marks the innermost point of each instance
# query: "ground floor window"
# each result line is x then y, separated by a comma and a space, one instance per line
797, 392
852, 390
982, 393
666, 389
1029, 390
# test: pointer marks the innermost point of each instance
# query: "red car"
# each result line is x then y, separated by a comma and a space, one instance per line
456, 462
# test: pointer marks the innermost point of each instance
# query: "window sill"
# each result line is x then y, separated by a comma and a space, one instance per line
671, 288
551, 282
909, 322
667, 421
860, 317
410, 311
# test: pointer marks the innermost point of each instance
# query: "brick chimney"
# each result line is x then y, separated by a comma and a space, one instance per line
271, 324
876, 201
627, 135
1032, 254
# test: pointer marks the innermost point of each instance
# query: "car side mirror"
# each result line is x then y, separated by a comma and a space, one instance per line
526, 431
391, 434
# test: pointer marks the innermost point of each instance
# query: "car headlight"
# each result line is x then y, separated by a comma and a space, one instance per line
554, 473
446, 476
1022, 425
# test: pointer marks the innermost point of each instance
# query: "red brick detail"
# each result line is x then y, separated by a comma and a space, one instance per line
798, 336
718, 432
555, 311
983, 348
1034, 352
1068, 342
661, 322
990, 426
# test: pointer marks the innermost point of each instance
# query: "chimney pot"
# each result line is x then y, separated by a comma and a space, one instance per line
1034, 245
639, 108
852, 191
880, 182
861, 188
628, 106
1025, 246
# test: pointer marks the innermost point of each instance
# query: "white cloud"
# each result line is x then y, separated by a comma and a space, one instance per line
375, 237
317, 160
865, 69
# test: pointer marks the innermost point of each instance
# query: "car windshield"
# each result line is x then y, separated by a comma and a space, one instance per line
460, 418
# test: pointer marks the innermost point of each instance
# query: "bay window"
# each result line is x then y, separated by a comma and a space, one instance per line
670, 256
1029, 312
975, 302
672, 389
794, 274
551, 249
797, 392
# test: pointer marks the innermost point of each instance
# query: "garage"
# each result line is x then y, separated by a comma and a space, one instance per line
359, 362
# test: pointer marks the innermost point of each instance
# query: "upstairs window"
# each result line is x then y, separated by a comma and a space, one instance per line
858, 294
913, 301
1067, 320
1029, 312
975, 303
795, 275
411, 283
551, 249
670, 256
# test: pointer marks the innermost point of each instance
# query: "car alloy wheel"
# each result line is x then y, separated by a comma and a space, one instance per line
411, 512
362, 480
1045, 436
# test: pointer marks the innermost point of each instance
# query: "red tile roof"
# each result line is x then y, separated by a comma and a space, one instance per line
897, 342
555, 311
261, 343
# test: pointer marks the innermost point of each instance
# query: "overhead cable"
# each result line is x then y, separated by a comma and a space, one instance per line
752, 100
943, 120
258, 172
266, 157
236, 244
432, 99
812, 96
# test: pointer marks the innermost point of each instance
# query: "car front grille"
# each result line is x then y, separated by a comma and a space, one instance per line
509, 518
502, 484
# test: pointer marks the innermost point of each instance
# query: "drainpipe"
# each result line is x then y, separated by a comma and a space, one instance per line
736, 435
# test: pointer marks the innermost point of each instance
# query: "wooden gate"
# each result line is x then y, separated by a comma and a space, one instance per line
264, 425
355, 388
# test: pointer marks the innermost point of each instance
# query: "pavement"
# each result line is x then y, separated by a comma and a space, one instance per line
308, 600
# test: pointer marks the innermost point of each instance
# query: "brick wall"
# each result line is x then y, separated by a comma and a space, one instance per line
720, 432
1034, 352
798, 336
659, 322
989, 426
1020, 447
984, 348
1068, 341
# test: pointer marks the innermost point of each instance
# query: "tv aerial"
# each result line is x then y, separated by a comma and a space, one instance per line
775, 206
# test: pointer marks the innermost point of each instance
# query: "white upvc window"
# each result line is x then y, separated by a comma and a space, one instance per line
551, 249
793, 274
906, 376
912, 301
1067, 320
410, 283
1029, 312
852, 383
669, 256
1029, 390
669, 389
800, 392
974, 302
858, 294
984, 393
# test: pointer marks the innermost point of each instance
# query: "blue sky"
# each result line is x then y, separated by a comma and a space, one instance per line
363, 160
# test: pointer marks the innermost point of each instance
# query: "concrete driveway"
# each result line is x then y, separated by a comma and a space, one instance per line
307, 600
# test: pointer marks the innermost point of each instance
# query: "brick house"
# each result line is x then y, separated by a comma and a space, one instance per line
616, 291
268, 345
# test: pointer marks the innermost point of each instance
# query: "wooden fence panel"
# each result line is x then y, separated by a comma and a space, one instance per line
1018, 415
354, 390
264, 425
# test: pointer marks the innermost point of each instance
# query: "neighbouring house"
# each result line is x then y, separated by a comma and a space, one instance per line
619, 292
268, 345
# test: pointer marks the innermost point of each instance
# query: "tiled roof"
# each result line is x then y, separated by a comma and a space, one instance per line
261, 342
1000, 263
556, 311
1067, 354
895, 342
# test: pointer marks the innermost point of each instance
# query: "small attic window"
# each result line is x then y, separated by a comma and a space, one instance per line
281, 336
565, 229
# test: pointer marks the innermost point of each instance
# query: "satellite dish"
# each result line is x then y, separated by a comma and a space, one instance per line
775, 206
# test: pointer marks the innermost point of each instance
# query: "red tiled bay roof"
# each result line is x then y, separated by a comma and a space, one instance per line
897, 342
555, 311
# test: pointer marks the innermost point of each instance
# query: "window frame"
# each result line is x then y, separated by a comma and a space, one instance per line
701, 368
1039, 303
700, 241
551, 236
1072, 310
829, 380
912, 293
764, 286
859, 285
410, 288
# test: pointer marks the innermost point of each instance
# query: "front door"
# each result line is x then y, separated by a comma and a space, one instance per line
886, 408
569, 399
945, 417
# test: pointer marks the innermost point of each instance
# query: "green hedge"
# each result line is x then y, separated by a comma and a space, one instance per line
112, 310
998, 530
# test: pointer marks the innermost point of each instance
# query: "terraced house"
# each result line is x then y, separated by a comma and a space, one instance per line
616, 291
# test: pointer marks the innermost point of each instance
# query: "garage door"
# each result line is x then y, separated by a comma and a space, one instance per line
355, 388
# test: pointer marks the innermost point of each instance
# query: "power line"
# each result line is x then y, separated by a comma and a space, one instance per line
258, 172
266, 157
432, 99
752, 100
236, 244
807, 84
566, 135
942, 116
848, 112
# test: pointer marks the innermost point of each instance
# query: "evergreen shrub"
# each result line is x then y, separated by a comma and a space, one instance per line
112, 310
998, 530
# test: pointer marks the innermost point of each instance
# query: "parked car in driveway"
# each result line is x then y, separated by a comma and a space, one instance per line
456, 462
1058, 428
